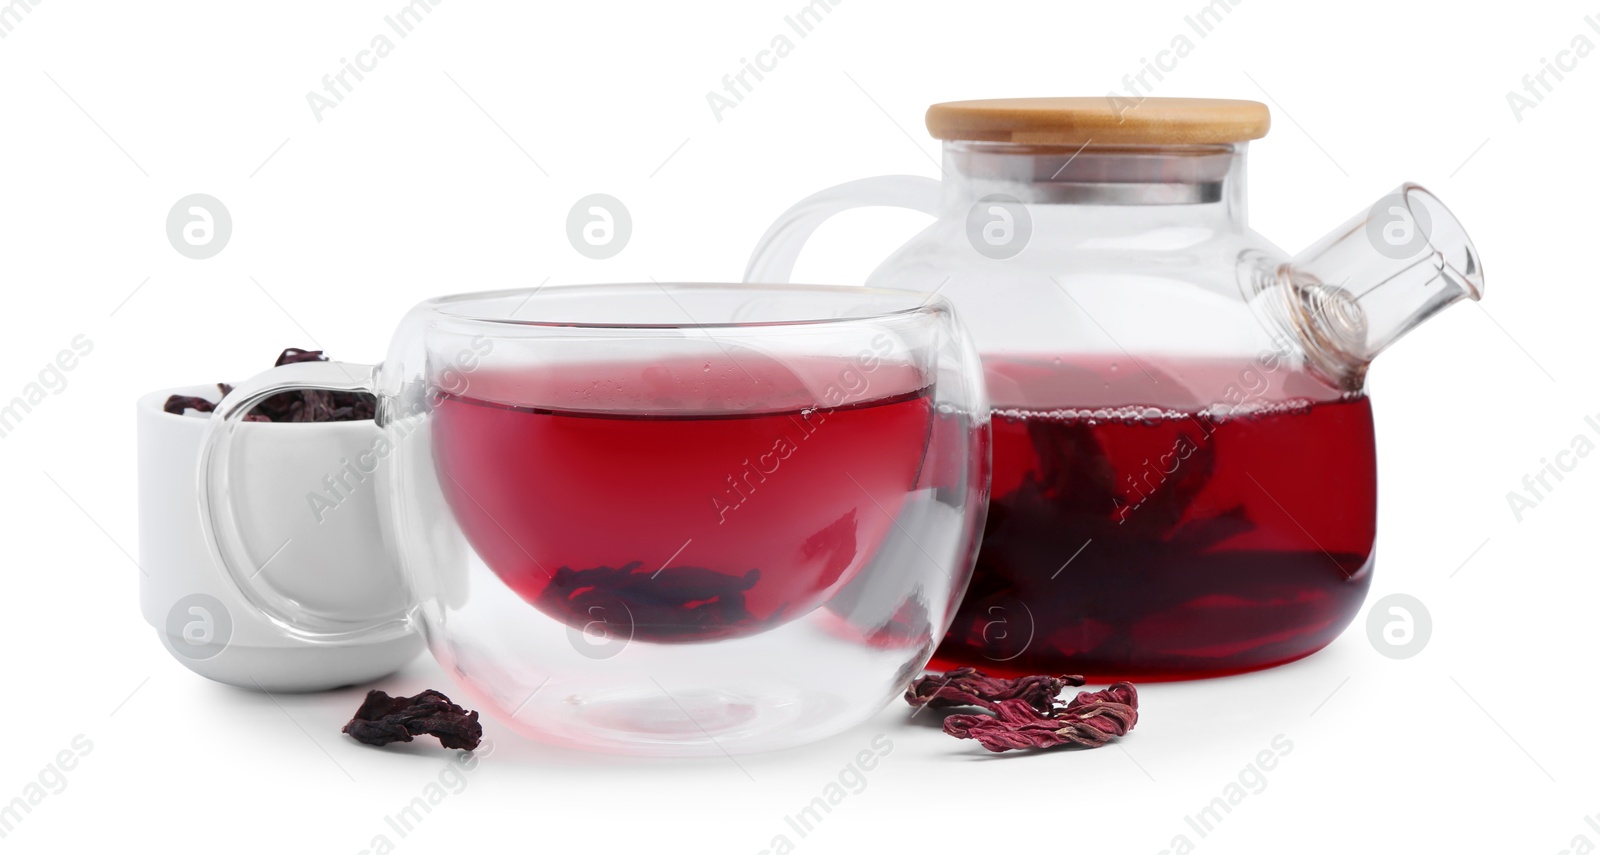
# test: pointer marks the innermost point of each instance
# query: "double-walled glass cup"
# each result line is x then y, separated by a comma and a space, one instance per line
662, 519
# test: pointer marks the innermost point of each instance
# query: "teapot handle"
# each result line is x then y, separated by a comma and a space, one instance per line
774, 256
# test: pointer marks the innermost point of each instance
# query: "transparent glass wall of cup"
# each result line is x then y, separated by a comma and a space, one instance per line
1184, 458
662, 519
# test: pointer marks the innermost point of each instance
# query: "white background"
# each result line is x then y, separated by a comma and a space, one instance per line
1483, 742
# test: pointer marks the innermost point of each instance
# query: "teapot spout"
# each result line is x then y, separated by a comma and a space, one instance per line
1361, 287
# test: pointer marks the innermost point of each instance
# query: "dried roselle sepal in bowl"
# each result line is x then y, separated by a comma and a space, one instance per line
292, 355
177, 404
969, 687
304, 405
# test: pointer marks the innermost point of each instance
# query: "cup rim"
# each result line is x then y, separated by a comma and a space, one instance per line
918, 303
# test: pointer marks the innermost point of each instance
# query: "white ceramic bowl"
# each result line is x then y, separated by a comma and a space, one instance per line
310, 519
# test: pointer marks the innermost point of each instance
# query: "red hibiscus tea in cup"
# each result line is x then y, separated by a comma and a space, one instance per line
686, 500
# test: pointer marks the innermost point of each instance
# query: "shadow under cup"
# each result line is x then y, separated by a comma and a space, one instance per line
688, 519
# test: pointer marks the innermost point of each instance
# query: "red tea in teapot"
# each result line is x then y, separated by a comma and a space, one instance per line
1163, 542
716, 500
1178, 530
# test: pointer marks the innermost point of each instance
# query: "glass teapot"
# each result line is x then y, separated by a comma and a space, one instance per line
1184, 467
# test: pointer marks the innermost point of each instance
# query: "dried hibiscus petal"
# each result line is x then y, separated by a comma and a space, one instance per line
1120, 702
1090, 720
969, 687
291, 355
1024, 712
177, 404
383, 719
1015, 725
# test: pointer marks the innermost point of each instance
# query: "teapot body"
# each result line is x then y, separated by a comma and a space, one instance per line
1185, 476
1177, 493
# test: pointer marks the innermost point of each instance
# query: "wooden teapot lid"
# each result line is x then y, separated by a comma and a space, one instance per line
1101, 121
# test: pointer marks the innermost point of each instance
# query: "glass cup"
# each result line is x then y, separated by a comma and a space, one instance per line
656, 519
